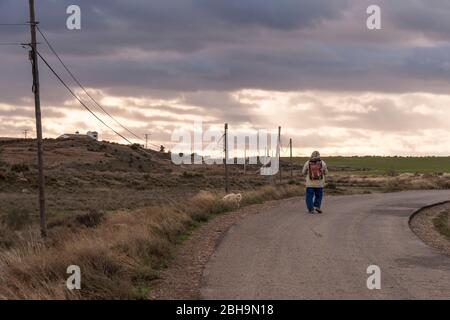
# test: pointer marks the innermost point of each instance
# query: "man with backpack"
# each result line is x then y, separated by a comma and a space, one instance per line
315, 170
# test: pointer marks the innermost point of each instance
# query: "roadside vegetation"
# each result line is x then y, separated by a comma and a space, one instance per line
119, 253
442, 223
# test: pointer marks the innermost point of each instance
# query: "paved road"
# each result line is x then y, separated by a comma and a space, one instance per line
284, 253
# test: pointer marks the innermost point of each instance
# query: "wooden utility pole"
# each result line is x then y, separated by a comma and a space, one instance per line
245, 158
37, 106
225, 149
290, 156
279, 151
146, 139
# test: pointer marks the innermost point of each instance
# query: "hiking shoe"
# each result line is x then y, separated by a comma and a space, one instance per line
311, 212
318, 210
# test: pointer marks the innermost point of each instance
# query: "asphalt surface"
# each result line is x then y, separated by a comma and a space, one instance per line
285, 253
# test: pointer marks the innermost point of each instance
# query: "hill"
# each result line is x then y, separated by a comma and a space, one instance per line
84, 175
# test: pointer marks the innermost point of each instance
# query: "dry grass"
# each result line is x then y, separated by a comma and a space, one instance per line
390, 183
119, 257
115, 258
442, 224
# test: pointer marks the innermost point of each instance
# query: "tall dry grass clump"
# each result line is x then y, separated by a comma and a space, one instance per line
118, 258
119, 254
407, 181
268, 193
205, 204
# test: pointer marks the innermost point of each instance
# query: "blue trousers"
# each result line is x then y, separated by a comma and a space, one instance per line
314, 198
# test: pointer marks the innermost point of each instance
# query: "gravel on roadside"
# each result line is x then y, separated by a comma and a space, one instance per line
423, 226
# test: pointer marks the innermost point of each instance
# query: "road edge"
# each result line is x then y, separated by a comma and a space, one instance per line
183, 278
428, 206
425, 238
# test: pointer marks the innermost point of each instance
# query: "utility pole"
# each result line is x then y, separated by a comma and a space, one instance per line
25, 133
290, 156
279, 152
245, 158
225, 144
146, 139
37, 106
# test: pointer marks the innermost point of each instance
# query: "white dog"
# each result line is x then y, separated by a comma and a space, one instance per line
233, 198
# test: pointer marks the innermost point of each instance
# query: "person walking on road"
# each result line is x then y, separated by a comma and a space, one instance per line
315, 170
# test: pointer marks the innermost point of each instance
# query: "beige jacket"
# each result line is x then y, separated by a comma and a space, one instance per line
315, 183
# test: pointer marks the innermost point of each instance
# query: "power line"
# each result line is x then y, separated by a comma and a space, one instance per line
76, 80
79, 100
82, 87
10, 44
218, 141
155, 145
82, 103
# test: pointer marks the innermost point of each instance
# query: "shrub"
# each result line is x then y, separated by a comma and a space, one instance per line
393, 185
331, 185
188, 175
91, 219
391, 173
16, 219
7, 237
443, 183
3, 164
204, 204
440, 222
20, 167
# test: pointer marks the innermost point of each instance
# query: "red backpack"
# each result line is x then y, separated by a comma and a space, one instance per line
315, 170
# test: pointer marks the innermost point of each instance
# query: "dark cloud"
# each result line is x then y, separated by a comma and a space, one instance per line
199, 45
424, 17
281, 14
200, 52
182, 25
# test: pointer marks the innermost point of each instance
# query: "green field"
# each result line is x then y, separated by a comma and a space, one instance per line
384, 165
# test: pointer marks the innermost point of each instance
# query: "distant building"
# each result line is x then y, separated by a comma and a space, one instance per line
93, 135
89, 135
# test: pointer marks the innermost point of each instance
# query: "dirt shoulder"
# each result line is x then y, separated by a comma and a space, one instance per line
182, 279
426, 224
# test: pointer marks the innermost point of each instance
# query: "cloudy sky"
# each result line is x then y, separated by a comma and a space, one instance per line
311, 66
